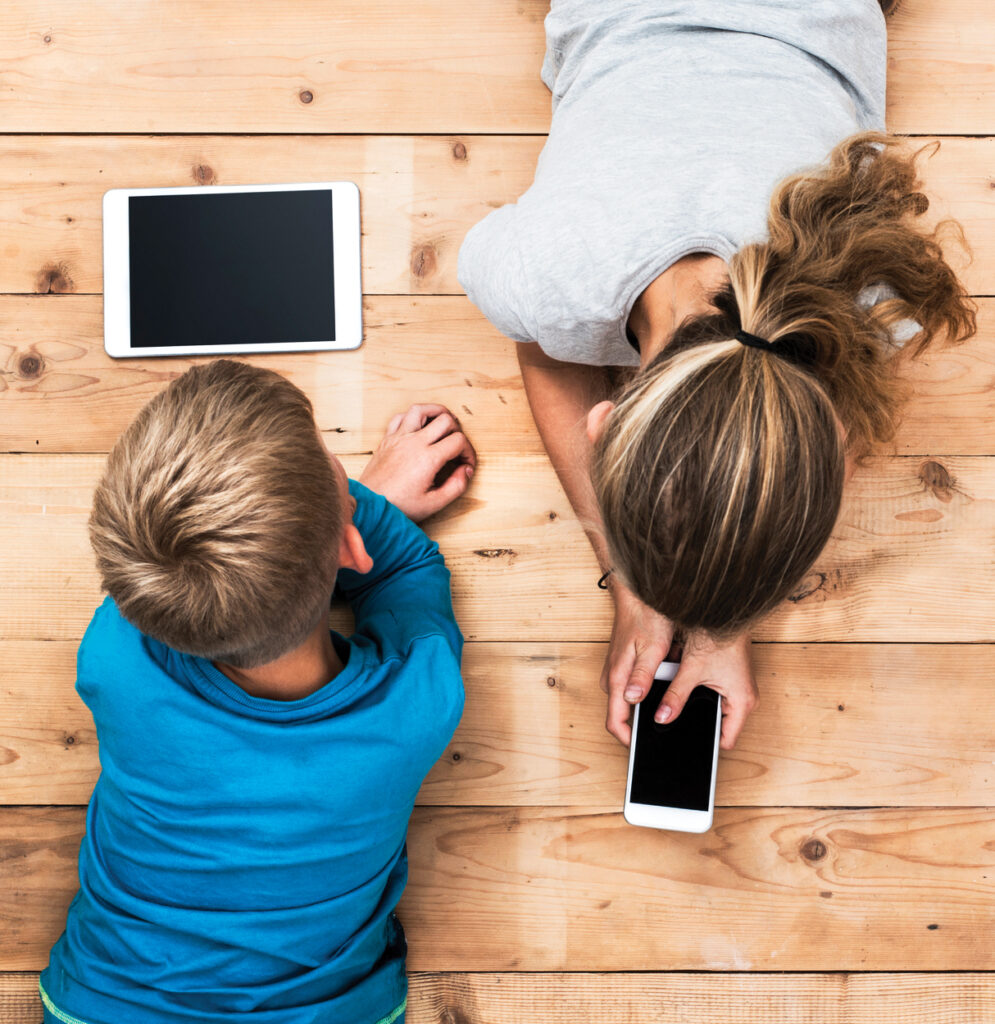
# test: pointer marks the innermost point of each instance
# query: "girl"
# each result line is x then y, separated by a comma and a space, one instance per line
766, 329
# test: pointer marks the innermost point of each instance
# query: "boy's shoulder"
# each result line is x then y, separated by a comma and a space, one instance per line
107, 628
113, 648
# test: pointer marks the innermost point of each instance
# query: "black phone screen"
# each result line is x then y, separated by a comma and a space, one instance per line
245, 268
672, 765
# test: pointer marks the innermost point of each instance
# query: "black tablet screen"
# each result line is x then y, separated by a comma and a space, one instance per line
237, 268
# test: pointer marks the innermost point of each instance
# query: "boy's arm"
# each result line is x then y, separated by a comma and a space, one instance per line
406, 593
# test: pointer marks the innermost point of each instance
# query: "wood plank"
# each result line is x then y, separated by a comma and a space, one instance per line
356, 65
39, 849
372, 65
510, 888
803, 890
963, 998
419, 197
911, 558
940, 67
839, 725
713, 998
63, 393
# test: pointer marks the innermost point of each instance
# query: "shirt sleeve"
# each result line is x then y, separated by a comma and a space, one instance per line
491, 273
406, 595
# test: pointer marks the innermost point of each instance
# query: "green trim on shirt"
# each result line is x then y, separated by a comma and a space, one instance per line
395, 1013
68, 1018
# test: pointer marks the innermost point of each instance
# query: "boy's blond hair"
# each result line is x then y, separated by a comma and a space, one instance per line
217, 521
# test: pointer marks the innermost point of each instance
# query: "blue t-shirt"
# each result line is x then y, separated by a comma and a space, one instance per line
244, 856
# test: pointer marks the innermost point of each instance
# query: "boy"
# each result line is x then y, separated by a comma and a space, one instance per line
245, 847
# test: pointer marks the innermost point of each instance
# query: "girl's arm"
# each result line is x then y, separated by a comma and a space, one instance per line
561, 395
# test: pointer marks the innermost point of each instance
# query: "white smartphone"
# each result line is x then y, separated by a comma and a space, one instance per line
232, 269
672, 766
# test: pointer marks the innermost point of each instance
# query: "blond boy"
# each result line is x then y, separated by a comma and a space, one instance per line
245, 844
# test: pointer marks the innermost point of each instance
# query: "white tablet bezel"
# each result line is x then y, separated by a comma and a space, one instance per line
345, 253
677, 819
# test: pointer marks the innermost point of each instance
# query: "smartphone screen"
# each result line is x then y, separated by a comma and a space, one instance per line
672, 763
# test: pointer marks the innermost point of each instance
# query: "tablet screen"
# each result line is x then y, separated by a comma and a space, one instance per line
241, 268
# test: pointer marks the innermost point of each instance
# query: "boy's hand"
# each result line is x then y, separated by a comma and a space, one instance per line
418, 446
725, 669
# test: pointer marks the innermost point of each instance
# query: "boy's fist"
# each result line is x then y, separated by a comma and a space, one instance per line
423, 462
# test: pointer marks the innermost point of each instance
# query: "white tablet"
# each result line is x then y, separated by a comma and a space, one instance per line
223, 269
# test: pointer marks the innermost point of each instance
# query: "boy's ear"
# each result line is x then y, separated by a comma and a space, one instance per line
596, 420
352, 550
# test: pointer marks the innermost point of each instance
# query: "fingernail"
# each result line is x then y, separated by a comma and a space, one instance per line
632, 693
469, 470
663, 715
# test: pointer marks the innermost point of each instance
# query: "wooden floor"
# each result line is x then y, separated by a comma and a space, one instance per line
849, 875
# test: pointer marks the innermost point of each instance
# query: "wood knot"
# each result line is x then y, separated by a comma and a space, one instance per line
30, 366
932, 927
70, 740
305, 96
54, 279
495, 552
47, 39
452, 1015
457, 756
813, 849
459, 152
551, 681
813, 582
424, 261
936, 478
204, 175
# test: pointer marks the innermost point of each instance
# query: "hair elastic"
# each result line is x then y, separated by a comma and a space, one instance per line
754, 341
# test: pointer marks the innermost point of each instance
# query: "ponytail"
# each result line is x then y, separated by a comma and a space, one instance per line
720, 472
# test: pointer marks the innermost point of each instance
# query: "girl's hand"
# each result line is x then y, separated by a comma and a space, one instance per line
418, 445
641, 639
725, 669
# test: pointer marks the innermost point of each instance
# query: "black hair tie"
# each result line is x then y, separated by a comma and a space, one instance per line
754, 341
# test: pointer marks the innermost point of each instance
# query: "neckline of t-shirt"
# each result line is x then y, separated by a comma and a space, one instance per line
658, 263
219, 689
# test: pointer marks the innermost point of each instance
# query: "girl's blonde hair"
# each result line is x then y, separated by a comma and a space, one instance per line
719, 473
217, 521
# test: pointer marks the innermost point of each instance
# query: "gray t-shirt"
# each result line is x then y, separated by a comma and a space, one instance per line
672, 124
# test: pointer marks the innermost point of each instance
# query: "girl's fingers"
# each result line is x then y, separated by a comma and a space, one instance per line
617, 720
733, 720
676, 696
395, 423
641, 677
616, 674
